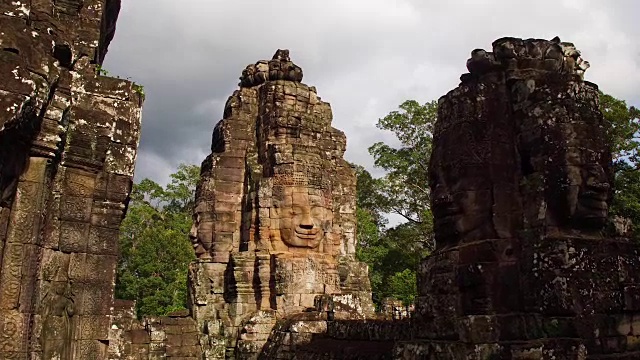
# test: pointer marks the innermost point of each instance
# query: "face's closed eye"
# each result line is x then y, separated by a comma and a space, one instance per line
294, 210
318, 212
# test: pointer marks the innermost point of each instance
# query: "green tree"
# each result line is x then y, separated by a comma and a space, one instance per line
403, 286
623, 125
155, 250
626, 198
392, 254
404, 189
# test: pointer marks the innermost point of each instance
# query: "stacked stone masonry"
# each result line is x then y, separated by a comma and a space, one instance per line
68, 142
169, 337
523, 267
274, 223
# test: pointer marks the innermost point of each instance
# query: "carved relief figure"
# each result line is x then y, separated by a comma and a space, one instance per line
302, 214
578, 166
58, 326
201, 233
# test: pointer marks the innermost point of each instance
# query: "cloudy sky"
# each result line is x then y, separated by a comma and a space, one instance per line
364, 56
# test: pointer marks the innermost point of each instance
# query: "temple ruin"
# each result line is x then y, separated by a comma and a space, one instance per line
523, 267
273, 227
274, 224
68, 142
520, 175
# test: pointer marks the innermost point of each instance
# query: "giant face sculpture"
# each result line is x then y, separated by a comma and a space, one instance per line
561, 135
461, 203
201, 233
578, 187
302, 215
587, 200
459, 175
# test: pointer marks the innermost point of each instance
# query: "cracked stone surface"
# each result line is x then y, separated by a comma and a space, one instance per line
273, 224
521, 179
68, 142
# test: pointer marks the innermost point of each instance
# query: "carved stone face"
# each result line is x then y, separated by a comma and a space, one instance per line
201, 233
303, 216
461, 207
579, 187
592, 206
460, 183
567, 144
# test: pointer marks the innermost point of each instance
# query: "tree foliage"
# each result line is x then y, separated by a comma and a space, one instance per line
404, 189
392, 254
623, 126
155, 250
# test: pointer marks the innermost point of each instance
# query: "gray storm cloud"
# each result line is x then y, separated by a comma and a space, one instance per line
365, 57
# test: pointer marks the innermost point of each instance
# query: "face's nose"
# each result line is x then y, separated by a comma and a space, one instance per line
306, 222
440, 194
597, 179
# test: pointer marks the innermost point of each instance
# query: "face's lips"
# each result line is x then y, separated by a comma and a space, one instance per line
445, 208
306, 234
594, 200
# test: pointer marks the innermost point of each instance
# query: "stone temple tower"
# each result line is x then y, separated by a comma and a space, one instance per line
68, 142
521, 181
274, 223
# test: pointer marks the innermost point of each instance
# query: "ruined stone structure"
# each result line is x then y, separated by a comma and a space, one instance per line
68, 141
274, 227
274, 224
521, 178
167, 337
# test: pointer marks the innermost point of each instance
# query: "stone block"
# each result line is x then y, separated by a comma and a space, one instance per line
55, 265
93, 327
75, 208
74, 236
183, 351
479, 329
12, 325
632, 298
28, 197
10, 279
79, 183
103, 241
118, 184
140, 336
106, 214
95, 298
22, 227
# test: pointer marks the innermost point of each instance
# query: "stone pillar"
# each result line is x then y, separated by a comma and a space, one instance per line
275, 209
68, 142
520, 176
